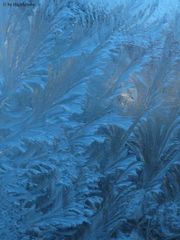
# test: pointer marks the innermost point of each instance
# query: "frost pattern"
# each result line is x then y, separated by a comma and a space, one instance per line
89, 120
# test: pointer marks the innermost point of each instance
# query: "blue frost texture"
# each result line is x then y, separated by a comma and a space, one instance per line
90, 120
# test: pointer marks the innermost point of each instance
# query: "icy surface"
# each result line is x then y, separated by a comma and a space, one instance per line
89, 120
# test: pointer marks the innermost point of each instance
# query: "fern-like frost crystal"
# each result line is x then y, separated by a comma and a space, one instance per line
89, 120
